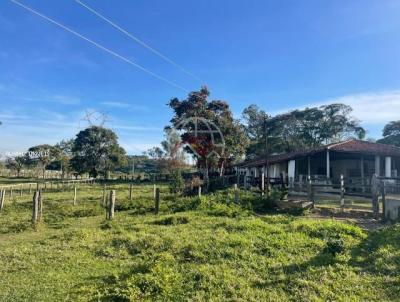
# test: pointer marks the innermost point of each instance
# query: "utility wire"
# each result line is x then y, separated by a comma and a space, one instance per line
137, 40
100, 46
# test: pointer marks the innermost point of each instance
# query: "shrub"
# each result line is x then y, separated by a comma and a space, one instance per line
191, 187
172, 220
261, 203
334, 246
177, 184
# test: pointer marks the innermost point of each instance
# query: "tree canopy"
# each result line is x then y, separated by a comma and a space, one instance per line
171, 156
96, 151
17, 164
41, 156
391, 134
299, 129
197, 107
63, 154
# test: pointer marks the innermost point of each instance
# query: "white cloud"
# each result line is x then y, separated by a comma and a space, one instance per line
65, 99
138, 128
374, 108
116, 104
137, 148
125, 105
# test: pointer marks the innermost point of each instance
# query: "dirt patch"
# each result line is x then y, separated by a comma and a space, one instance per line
363, 219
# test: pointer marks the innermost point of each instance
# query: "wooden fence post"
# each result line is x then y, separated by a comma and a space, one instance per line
74, 195
154, 191
40, 206
2, 196
375, 195
310, 191
104, 195
103, 200
111, 205
20, 189
35, 208
383, 192
236, 193
157, 201
342, 191
11, 192
130, 191
30, 189
199, 192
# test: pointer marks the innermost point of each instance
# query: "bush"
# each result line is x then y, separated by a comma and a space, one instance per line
334, 246
261, 203
177, 184
192, 186
172, 220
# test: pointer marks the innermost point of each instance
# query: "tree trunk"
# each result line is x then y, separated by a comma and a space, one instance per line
62, 171
221, 171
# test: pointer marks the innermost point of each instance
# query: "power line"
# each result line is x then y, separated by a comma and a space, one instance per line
137, 40
100, 46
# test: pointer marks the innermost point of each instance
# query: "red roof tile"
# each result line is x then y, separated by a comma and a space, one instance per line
357, 146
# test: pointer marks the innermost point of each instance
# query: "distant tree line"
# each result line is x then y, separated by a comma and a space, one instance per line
299, 129
96, 150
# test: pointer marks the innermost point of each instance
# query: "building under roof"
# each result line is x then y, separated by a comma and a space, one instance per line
351, 158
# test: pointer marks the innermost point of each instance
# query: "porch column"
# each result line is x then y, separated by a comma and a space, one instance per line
246, 180
291, 171
328, 165
377, 165
362, 166
308, 166
262, 180
362, 173
388, 166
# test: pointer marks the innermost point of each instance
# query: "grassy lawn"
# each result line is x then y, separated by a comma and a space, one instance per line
4, 181
196, 249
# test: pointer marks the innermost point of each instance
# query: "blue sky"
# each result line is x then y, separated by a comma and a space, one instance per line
279, 55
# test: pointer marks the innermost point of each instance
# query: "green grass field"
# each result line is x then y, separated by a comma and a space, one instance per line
206, 249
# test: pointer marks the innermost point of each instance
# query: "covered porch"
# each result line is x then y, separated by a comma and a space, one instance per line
330, 165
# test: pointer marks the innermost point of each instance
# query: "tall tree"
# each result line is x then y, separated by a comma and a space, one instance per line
17, 164
255, 126
196, 117
299, 129
96, 151
173, 151
41, 156
63, 155
338, 124
391, 134
170, 156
